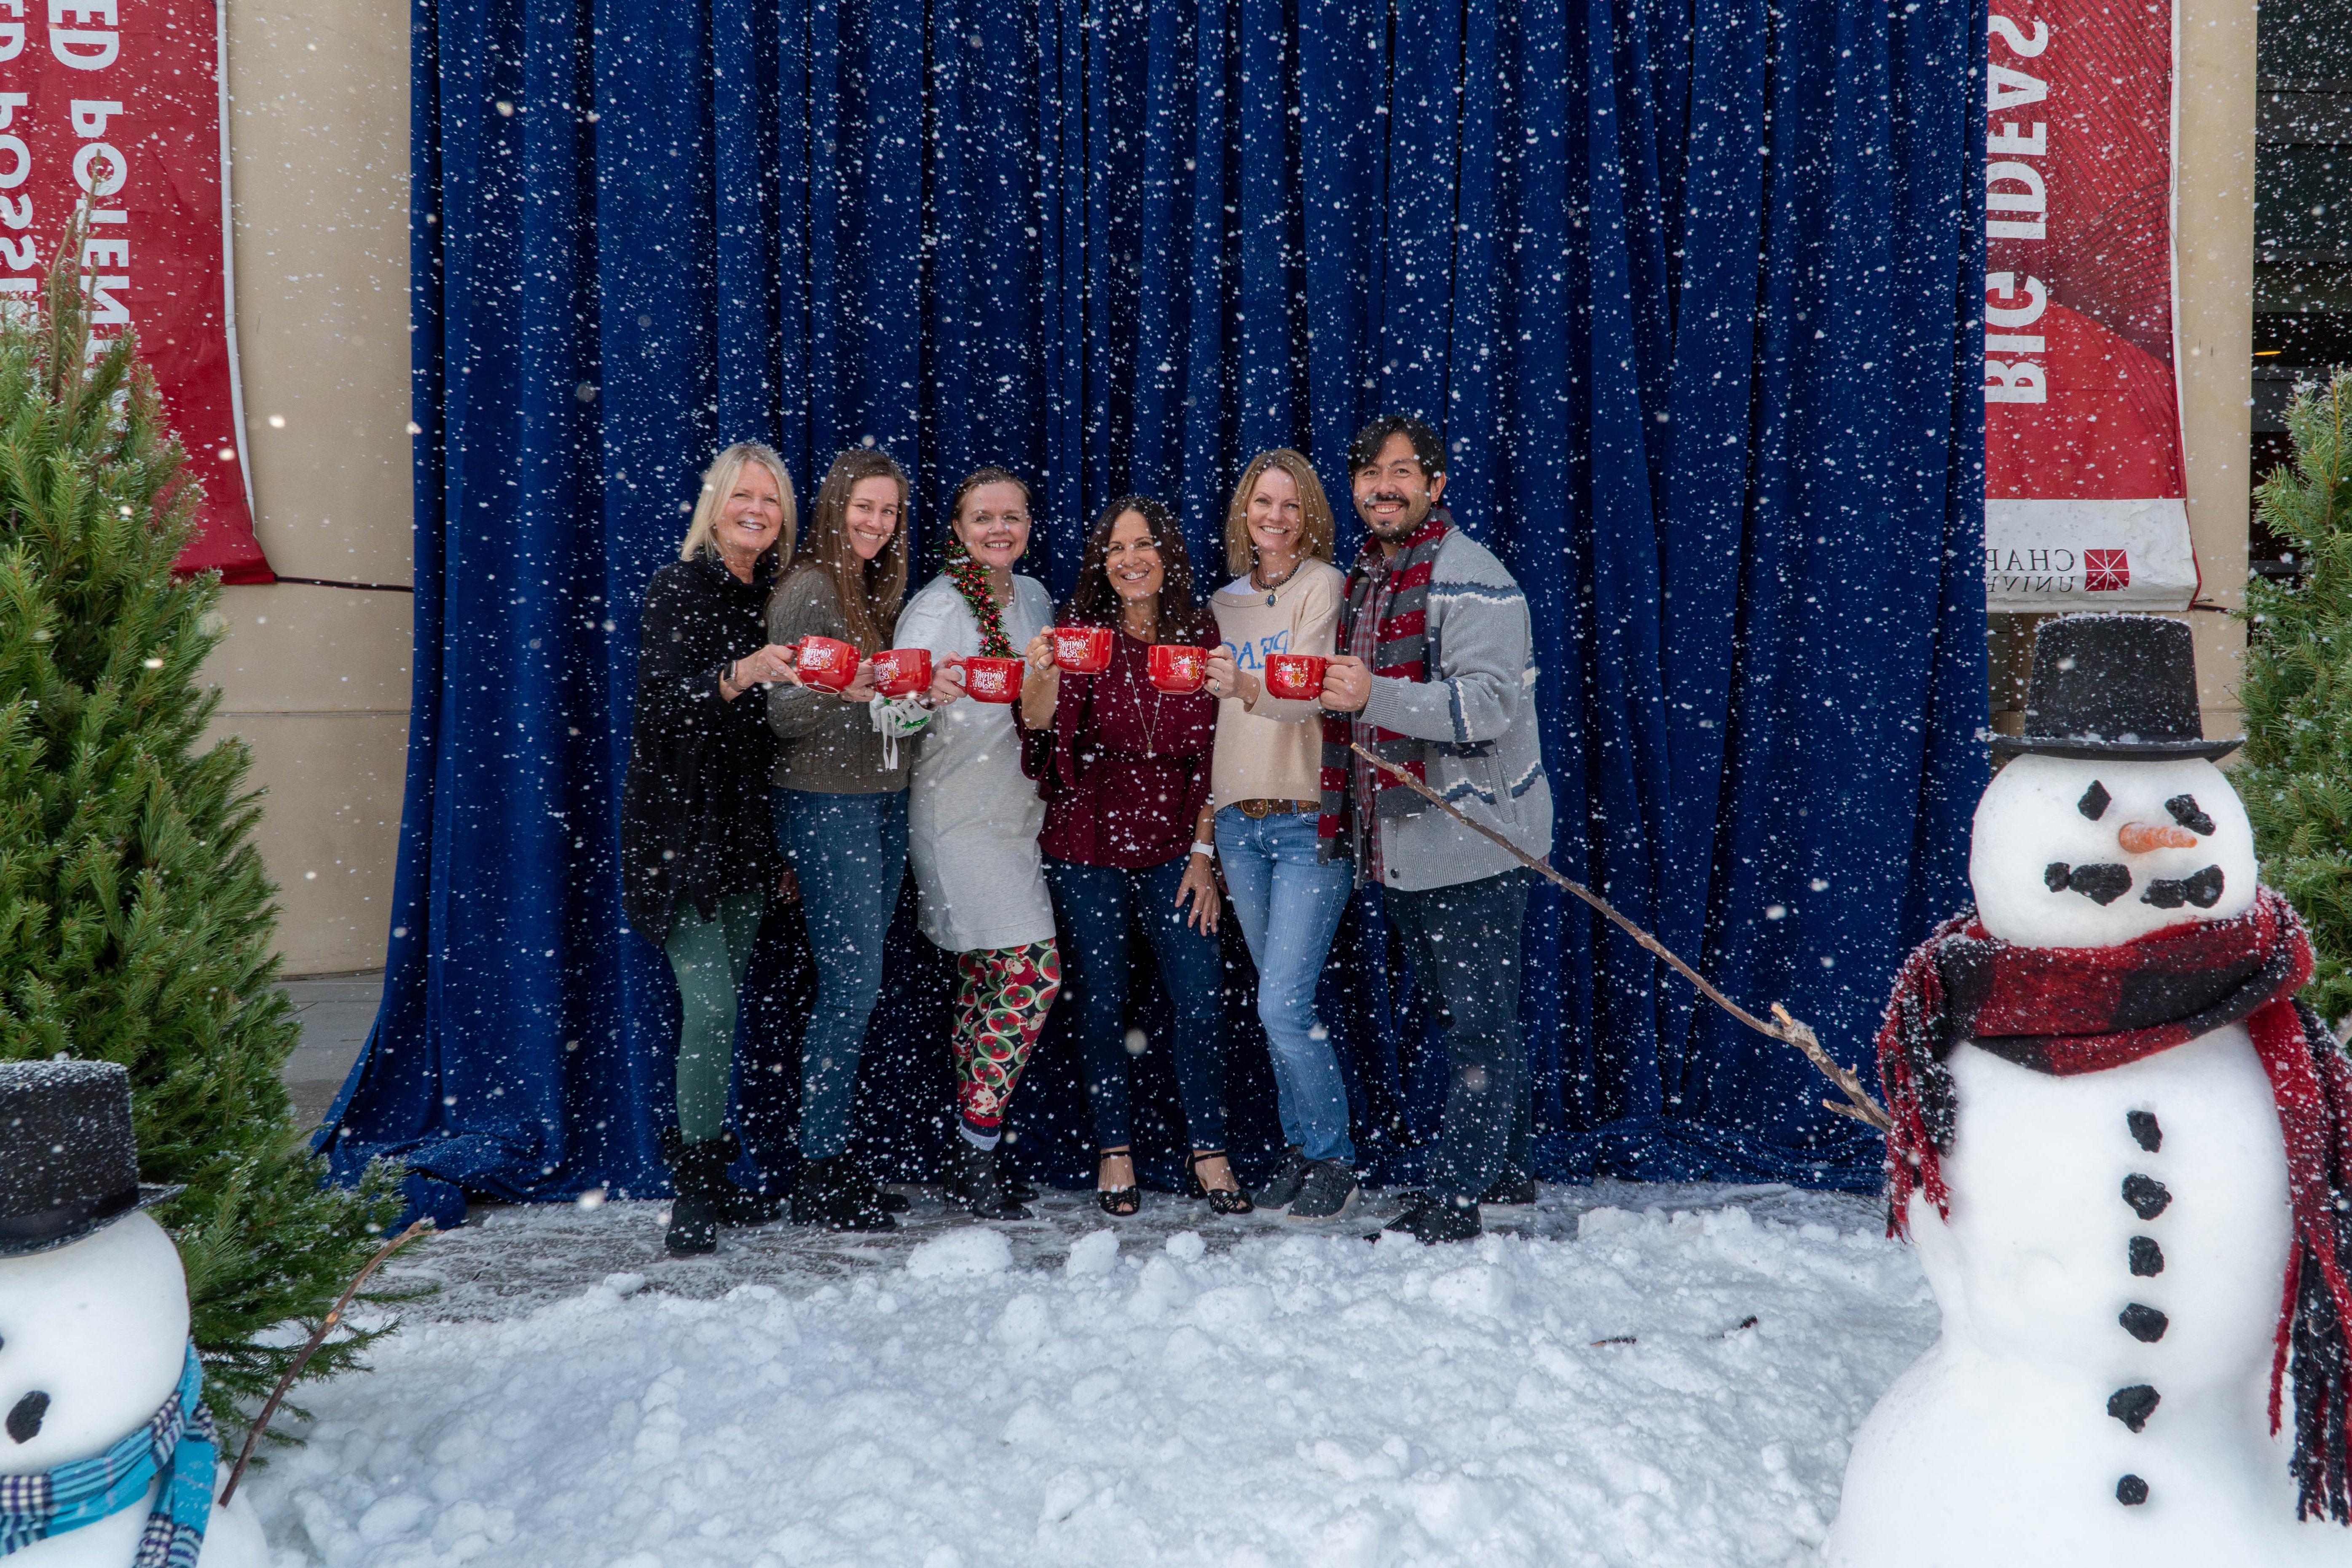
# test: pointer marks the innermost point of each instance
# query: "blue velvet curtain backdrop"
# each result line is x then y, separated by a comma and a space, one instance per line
1689, 285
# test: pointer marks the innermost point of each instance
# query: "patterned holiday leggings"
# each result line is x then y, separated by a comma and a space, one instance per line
1001, 1006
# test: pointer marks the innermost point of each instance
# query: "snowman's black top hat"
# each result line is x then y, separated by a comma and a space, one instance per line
2113, 685
67, 1163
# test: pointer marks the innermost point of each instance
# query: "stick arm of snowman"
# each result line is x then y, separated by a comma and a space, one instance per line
310, 1348
1858, 1103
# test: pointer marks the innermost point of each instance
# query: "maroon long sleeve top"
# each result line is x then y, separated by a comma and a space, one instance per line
1125, 768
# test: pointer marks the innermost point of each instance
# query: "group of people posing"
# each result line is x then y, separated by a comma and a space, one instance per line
1058, 776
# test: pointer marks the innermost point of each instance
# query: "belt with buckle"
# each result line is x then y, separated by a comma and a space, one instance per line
1263, 808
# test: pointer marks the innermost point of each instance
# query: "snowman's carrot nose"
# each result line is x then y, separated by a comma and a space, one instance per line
2139, 838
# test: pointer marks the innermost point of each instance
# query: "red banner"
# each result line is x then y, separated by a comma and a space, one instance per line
2083, 493
120, 104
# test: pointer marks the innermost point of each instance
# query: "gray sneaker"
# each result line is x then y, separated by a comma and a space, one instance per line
1329, 1191
1283, 1185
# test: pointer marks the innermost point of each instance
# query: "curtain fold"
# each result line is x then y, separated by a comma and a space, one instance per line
1688, 286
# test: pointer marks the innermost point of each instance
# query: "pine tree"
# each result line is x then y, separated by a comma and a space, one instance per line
2297, 775
135, 917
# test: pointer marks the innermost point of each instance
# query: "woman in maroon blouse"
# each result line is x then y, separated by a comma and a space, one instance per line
1125, 771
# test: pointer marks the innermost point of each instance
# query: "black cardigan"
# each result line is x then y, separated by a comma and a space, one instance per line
694, 808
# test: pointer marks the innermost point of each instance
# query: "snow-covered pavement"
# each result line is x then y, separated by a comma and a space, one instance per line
1628, 1375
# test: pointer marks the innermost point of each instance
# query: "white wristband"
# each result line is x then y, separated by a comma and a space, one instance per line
1200, 848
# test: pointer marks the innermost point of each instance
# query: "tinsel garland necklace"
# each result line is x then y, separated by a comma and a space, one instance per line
970, 580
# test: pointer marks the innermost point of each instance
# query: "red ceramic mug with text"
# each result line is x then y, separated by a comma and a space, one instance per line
1176, 669
827, 663
989, 679
902, 672
1297, 677
1082, 650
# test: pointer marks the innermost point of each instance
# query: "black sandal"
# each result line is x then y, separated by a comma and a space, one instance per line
1222, 1200
1120, 1203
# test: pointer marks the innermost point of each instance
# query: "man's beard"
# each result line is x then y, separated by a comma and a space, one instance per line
1406, 522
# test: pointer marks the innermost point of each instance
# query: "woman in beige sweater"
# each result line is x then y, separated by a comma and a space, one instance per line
1267, 789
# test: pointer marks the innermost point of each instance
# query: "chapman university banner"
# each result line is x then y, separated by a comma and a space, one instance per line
119, 104
2083, 496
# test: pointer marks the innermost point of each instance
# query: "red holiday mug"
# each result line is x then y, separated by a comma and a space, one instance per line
1082, 650
1178, 668
827, 663
1295, 676
991, 680
902, 672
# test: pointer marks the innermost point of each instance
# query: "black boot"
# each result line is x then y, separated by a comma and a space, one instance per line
706, 1197
973, 1176
836, 1194
892, 1202
1016, 1187
693, 1219
1429, 1219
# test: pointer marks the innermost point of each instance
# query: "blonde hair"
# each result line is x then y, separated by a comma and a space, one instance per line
1317, 529
719, 483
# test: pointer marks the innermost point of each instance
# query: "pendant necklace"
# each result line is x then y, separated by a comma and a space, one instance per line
1270, 587
1150, 721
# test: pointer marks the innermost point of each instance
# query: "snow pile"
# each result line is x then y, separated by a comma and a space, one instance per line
1665, 1389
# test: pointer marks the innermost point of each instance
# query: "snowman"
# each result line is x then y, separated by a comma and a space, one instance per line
107, 1457
2123, 1152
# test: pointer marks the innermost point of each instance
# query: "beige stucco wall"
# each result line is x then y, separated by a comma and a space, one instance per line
2214, 259
316, 679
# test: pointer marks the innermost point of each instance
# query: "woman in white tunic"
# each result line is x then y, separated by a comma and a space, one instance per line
972, 820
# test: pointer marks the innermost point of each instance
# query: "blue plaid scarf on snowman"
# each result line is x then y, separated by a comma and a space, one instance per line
178, 1445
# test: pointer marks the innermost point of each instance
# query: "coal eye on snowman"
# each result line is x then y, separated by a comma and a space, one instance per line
2186, 811
2093, 804
23, 1422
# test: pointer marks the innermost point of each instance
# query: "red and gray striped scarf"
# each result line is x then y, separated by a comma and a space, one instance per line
2063, 1010
1400, 650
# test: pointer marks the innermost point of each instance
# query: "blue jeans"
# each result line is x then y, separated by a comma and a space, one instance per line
1092, 905
1290, 905
849, 853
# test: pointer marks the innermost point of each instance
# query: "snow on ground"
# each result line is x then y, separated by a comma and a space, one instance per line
1653, 1377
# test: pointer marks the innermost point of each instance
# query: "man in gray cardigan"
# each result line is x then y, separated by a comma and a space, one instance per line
1436, 675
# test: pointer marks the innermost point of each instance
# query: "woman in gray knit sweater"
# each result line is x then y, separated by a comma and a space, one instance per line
839, 804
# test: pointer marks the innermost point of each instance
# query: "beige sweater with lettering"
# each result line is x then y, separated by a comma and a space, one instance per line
1275, 750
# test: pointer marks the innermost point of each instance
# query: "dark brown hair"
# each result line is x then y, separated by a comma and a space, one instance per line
869, 592
1095, 602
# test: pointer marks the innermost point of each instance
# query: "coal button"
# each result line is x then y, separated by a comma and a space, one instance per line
2132, 1405
2147, 1195
2147, 1257
2131, 1491
2144, 1129
2145, 1325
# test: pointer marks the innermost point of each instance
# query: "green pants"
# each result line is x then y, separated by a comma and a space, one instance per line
710, 959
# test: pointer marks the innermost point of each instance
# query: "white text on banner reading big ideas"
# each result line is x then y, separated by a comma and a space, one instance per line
2013, 186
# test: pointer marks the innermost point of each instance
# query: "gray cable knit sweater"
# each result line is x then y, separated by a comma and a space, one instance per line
1477, 716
